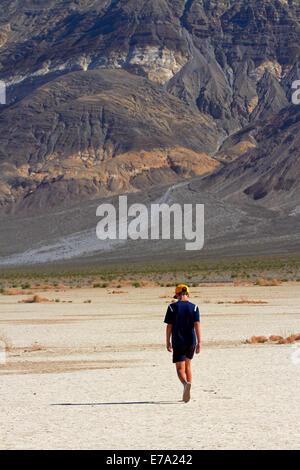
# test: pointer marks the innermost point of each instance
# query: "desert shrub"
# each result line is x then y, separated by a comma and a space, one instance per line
275, 338
258, 339
36, 299
101, 285
282, 341
26, 285
265, 282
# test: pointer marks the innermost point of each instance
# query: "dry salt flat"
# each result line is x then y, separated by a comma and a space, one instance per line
97, 375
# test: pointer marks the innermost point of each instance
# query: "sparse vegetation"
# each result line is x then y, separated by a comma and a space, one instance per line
242, 301
34, 300
26, 285
101, 285
264, 270
273, 339
266, 282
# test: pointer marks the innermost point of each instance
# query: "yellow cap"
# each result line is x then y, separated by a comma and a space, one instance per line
181, 288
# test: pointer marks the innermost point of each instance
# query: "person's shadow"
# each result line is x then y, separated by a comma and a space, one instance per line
121, 403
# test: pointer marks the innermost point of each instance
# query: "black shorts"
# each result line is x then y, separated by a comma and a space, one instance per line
182, 353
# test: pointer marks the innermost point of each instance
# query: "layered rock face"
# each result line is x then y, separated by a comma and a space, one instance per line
267, 170
97, 133
108, 96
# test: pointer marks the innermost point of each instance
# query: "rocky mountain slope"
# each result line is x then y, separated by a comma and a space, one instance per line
112, 96
98, 132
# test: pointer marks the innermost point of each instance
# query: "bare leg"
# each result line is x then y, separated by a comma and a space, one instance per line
188, 370
180, 367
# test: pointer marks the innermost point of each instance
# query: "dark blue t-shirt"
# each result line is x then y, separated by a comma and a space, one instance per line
182, 315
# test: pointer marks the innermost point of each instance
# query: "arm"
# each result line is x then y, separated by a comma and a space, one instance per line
168, 337
198, 335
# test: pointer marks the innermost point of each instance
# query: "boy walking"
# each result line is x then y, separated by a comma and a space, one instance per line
183, 324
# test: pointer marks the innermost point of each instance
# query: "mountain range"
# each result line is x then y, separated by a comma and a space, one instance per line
188, 97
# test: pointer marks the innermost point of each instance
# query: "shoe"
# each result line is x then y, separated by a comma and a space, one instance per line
187, 392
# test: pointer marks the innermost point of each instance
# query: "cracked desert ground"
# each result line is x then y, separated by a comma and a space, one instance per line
97, 375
